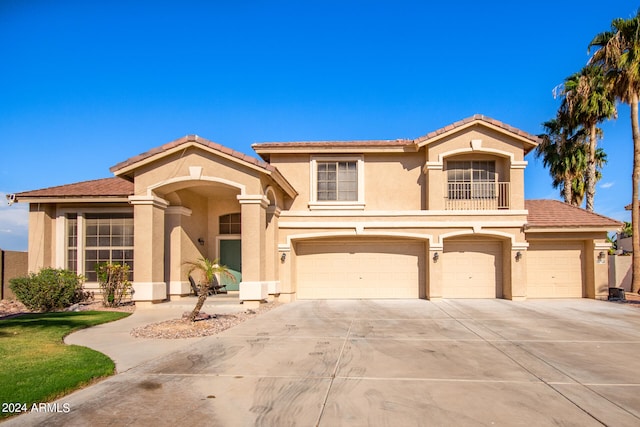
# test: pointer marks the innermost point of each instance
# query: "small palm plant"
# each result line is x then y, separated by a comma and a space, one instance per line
209, 268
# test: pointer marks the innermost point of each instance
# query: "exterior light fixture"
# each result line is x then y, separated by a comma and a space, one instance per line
518, 256
601, 256
201, 241
436, 256
283, 256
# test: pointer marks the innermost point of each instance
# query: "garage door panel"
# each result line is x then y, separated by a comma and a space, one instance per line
554, 270
344, 270
472, 270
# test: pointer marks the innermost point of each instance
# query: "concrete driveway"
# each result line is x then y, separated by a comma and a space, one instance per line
387, 363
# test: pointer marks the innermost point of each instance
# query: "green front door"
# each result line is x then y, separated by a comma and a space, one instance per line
231, 256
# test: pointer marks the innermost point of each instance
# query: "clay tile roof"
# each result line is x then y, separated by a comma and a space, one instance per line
335, 144
533, 138
106, 187
553, 213
193, 139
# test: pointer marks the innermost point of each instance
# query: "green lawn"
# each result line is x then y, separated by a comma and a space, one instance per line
36, 366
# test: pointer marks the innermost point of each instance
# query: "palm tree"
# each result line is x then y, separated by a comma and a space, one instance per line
579, 182
209, 268
588, 102
561, 152
618, 53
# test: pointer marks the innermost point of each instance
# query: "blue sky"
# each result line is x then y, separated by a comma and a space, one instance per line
87, 84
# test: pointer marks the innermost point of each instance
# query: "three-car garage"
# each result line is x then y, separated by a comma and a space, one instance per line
373, 268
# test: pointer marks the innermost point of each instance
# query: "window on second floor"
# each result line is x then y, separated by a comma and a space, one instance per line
337, 182
471, 179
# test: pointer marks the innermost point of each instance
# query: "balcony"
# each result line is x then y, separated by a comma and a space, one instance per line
477, 195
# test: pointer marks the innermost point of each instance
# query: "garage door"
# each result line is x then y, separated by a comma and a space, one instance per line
554, 270
472, 270
344, 270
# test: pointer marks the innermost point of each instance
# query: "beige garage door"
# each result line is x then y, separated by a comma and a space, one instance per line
345, 270
554, 270
472, 270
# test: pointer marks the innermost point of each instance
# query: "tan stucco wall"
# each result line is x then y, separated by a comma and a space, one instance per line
12, 264
42, 236
177, 165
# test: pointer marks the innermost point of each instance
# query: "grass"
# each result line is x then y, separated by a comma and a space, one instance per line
36, 366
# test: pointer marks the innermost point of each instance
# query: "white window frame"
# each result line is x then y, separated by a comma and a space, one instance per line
61, 233
314, 203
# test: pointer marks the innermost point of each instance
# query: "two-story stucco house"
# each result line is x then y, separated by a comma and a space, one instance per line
440, 216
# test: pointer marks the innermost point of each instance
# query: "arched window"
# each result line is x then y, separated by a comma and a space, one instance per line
230, 224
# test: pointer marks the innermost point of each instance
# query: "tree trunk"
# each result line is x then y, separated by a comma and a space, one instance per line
568, 196
635, 208
204, 292
591, 168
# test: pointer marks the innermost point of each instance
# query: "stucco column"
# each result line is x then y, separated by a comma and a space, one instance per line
253, 211
178, 285
597, 269
435, 187
41, 236
516, 179
434, 262
148, 248
272, 260
518, 277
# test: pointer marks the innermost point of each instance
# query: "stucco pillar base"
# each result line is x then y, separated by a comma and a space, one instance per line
273, 287
253, 291
251, 304
435, 299
517, 298
149, 291
179, 288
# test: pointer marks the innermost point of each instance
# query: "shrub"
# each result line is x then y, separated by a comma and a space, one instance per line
50, 289
114, 283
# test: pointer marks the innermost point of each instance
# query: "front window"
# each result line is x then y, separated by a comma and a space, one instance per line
108, 238
468, 180
337, 181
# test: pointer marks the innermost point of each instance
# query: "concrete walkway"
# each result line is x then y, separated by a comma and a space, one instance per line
114, 339
385, 363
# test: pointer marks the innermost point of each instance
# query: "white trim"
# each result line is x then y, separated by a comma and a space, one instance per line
61, 244
603, 246
519, 246
433, 166
311, 236
152, 200
443, 236
333, 204
398, 224
425, 213
247, 199
458, 151
87, 199
519, 164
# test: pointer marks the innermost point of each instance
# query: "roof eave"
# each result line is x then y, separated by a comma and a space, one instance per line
529, 143
72, 199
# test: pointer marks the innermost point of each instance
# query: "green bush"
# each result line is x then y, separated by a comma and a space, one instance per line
50, 289
114, 283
